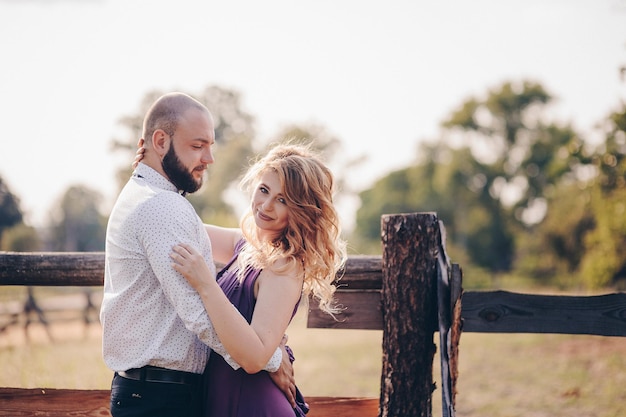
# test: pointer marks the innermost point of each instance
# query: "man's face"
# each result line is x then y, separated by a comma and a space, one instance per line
190, 151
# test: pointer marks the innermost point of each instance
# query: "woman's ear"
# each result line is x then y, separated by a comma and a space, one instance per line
160, 142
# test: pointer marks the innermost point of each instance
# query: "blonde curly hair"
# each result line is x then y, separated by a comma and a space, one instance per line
312, 238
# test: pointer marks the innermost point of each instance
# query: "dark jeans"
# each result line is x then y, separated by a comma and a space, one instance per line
130, 398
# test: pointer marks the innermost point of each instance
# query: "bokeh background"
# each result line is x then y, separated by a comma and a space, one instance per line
507, 118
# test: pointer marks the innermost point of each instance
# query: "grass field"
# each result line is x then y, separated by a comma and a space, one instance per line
500, 375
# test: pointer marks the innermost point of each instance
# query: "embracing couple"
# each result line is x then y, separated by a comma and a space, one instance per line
181, 338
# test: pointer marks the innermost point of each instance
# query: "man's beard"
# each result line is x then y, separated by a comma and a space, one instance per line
178, 174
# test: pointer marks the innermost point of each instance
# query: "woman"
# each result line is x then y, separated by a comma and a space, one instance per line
288, 247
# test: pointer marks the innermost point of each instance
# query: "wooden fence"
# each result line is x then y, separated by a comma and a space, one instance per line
410, 293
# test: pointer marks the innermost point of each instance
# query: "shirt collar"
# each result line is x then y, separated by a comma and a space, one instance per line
153, 177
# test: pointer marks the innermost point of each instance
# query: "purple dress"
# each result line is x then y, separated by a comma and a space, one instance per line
231, 393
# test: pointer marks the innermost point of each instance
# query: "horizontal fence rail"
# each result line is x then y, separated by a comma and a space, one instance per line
57, 269
40, 402
359, 289
506, 312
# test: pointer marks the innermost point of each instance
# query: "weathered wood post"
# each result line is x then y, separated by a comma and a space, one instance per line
409, 305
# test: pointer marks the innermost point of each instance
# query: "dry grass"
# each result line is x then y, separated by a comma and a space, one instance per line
500, 375
542, 375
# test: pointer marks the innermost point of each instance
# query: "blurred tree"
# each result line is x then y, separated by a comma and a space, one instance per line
611, 158
551, 251
21, 238
444, 181
488, 177
603, 262
10, 213
519, 159
509, 140
581, 238
76, 224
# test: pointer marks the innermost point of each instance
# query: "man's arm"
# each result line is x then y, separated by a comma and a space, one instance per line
179, 223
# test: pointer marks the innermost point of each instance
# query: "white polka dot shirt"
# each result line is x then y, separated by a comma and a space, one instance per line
150, 315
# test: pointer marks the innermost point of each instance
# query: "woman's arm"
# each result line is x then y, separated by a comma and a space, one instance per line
223, 241
251, 345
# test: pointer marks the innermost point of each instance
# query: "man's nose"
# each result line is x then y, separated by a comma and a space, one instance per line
207, 157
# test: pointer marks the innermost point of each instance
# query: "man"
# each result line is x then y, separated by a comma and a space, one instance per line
156, 333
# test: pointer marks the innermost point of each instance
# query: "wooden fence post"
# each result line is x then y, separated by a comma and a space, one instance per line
409, 306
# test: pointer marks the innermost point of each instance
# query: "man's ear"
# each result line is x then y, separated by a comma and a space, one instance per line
160, 142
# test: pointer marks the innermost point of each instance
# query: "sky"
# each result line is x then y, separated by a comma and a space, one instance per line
379, 75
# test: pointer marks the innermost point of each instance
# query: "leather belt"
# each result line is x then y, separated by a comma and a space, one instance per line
155, 374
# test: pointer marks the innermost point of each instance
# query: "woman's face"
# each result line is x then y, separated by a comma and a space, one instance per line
269, 207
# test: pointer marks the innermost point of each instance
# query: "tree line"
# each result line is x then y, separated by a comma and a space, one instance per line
519, 194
